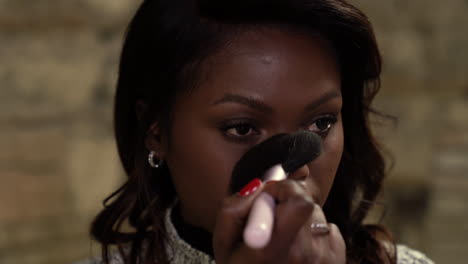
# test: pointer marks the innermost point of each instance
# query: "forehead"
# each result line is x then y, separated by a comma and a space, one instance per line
269, 63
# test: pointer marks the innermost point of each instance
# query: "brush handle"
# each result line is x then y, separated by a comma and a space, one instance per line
259, 226
257, 233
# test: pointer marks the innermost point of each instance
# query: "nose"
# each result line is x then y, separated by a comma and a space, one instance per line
300, 174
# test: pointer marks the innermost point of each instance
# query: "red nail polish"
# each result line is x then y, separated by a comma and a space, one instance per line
251, 187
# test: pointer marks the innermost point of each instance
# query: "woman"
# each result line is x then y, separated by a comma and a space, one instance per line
201, 83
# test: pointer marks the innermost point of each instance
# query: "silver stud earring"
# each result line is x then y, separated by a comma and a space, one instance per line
151, 160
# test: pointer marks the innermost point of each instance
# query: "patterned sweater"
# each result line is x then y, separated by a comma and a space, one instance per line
181, 252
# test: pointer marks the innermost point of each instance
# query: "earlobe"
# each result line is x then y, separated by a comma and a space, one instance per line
153, 136
152, 160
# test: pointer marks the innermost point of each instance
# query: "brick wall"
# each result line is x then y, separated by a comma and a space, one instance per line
425, 85
57, 155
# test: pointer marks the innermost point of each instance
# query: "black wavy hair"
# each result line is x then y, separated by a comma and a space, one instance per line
166, 42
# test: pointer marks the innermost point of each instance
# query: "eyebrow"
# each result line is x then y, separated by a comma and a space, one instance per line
264, 108
248, 101
323, 99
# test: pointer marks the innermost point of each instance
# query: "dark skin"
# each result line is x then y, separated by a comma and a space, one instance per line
263, 83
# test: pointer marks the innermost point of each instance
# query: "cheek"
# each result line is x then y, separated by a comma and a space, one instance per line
201, 168
324, 169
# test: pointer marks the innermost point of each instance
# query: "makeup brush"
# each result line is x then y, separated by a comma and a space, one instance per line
292, 151
270, 160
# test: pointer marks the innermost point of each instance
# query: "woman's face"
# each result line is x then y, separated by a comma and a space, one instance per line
263, 83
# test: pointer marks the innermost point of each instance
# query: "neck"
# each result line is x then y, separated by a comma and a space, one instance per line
197, 237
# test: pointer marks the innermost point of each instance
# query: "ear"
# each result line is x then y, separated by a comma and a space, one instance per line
154, 141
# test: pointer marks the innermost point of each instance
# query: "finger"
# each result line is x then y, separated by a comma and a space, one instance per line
301, 250
328, 248
337, 243
230, 222
311, 244
318, 222
318, 216
315, 246
294, 207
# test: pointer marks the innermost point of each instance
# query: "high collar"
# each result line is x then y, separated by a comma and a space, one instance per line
187, 244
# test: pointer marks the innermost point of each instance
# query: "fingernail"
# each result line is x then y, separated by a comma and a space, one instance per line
251, 187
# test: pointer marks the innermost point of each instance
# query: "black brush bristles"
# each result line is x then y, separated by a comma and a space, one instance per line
292, 151
304, 148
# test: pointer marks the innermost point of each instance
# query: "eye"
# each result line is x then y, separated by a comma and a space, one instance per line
322, 125
240, 130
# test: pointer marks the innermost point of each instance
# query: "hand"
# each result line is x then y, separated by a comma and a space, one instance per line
293, 240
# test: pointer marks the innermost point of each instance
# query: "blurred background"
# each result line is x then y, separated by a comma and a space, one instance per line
58, 66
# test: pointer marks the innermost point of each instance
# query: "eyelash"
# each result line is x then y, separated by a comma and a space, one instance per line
237, 123
330, 119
